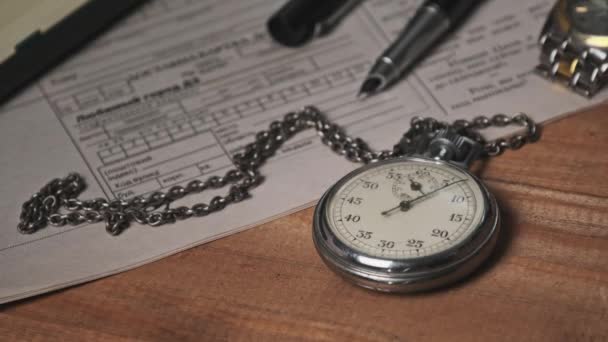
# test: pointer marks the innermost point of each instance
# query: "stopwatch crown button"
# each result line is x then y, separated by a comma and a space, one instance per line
448, 145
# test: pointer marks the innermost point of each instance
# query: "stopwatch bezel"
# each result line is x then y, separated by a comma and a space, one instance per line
406, 275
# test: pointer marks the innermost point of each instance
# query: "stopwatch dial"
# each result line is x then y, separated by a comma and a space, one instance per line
407, 209
409, 186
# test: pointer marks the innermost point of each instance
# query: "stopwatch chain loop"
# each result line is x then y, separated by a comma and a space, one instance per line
57, 202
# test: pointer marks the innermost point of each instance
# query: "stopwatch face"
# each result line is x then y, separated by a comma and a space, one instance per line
406, 210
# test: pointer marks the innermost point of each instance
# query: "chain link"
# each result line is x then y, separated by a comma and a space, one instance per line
44, 207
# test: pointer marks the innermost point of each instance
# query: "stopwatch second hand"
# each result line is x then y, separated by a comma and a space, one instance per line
406, 205
403, 206
436, 190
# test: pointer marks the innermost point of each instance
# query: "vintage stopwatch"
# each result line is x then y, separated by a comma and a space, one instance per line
412, 218
409, 223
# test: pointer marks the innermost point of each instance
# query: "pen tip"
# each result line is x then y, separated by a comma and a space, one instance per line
361, 95
369, 87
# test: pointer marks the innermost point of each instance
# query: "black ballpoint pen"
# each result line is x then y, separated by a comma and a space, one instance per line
430, 23
299, 21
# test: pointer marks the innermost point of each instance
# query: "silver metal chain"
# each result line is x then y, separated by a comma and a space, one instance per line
57, 203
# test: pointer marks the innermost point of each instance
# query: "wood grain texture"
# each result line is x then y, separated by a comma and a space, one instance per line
547, 281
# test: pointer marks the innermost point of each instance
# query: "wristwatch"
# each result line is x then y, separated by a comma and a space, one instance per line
574, 45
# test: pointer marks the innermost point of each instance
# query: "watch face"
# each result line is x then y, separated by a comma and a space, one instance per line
406, 209
589, 16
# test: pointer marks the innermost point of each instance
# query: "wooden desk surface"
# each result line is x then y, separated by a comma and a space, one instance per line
548, 280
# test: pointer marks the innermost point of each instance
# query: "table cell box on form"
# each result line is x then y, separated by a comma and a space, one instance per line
224, 116
95, 137
261, 46
294, 93
135, 146
67, 105
116, 90
249, 108
89, 98
196, 104
202, 124
290, 72
181, 131
135, 189
111, 155
241, 88
157, 139
172, 110
179, 176
360, 69
334, 57
182, 153
340, 77
317, 85
271, 101
214, 165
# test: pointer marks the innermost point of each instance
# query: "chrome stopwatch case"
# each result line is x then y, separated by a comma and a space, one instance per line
406, 224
